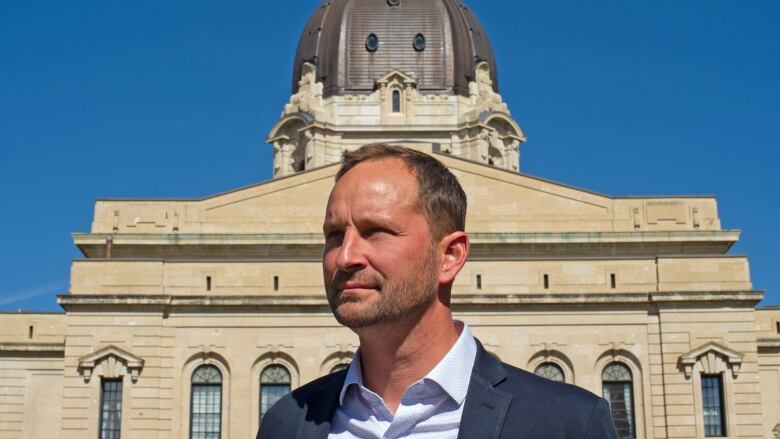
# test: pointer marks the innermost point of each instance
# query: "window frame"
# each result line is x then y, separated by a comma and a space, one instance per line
101, 415
632, 419
721, 407
274, 385
193, 386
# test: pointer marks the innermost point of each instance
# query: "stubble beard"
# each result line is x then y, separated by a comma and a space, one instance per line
395, 300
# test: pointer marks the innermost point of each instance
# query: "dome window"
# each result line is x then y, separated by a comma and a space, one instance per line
372, 42
393, 2
419, 42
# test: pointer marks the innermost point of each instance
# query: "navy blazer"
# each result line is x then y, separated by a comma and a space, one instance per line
503, 402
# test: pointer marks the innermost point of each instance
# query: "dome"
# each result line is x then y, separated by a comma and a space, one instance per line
353, 43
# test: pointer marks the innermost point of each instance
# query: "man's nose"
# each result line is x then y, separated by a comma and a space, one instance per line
351, 256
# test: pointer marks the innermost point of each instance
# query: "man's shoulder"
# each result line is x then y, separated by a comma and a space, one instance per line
552, 392
545, 408
283, 417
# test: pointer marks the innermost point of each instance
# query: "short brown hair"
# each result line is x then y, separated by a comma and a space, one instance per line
441, 198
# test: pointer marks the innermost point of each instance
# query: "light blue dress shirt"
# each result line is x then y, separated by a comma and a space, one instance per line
430, 408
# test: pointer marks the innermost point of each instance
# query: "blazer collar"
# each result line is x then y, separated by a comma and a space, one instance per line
483, 413
321, 405
485, 405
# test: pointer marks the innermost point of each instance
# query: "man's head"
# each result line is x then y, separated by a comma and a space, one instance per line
440, 197
394, 236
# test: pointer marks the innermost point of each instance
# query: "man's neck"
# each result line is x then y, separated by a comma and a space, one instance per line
395, 355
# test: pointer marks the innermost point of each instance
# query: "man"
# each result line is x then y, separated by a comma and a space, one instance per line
394, 242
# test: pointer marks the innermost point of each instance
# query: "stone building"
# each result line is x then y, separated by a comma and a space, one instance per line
187, 318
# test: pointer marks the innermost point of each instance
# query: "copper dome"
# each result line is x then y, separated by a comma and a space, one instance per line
335, 40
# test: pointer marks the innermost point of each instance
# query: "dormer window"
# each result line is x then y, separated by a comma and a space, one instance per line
396, 101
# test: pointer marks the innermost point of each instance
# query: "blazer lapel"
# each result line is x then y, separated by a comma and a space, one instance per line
321, 405
485, 406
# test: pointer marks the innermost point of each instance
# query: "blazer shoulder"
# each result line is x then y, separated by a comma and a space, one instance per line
545, 408
283, 417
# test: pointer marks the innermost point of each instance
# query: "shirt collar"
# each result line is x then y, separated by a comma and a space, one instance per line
452, 373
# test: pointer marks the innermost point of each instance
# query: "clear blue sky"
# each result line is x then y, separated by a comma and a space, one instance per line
174, 98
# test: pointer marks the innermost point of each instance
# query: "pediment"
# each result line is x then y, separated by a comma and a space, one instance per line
499, 202
398, 76
712, 358
112, 362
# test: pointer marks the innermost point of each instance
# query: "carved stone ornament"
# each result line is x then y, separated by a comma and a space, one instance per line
483, 97
308, 99
776, 431
712, 358
110, 362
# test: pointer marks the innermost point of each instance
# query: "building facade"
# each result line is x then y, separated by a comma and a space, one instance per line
188, 318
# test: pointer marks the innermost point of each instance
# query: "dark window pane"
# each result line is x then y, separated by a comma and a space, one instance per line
618, 390
206, 403
269, 394
274, 384
551, 371
110, 409
712, 396
396, 101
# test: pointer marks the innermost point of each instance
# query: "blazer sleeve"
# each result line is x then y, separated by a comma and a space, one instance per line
600, 425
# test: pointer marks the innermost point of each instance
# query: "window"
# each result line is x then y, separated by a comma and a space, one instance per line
338, 367
618, 388
778, 327
546, 281
551, 371
372, 43
110, 409
613, 280
712, 396
419, 42
206, 403
396, 101
274, 384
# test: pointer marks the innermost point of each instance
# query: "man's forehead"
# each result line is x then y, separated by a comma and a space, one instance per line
378, 184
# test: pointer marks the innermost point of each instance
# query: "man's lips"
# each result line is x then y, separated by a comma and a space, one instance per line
355, 287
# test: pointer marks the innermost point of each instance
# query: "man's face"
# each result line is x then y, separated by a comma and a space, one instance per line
379, 260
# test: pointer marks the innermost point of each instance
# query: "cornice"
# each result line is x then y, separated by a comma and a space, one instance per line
168, 302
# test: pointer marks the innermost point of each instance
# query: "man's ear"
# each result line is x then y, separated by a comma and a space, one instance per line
455, 248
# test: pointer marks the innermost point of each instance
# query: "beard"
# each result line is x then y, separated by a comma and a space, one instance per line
392, 301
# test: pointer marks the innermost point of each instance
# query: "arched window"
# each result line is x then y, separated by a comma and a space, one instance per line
618, 387
338, 367
551, 371
274, 384
396, 101
206, 403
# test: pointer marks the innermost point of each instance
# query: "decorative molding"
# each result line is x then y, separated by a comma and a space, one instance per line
712, 358
33, 347
111, 362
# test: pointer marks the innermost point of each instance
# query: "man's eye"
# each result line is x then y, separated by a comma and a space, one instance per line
374, 231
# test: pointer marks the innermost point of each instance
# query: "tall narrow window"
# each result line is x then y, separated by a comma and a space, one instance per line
551, 371
396, 101
276, 283
546, 281
618, 388
479, 281
274, 384
110, 409
206, 403
712, 396
613, 280
778, 327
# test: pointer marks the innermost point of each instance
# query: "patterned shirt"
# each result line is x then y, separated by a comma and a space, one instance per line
430, 408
